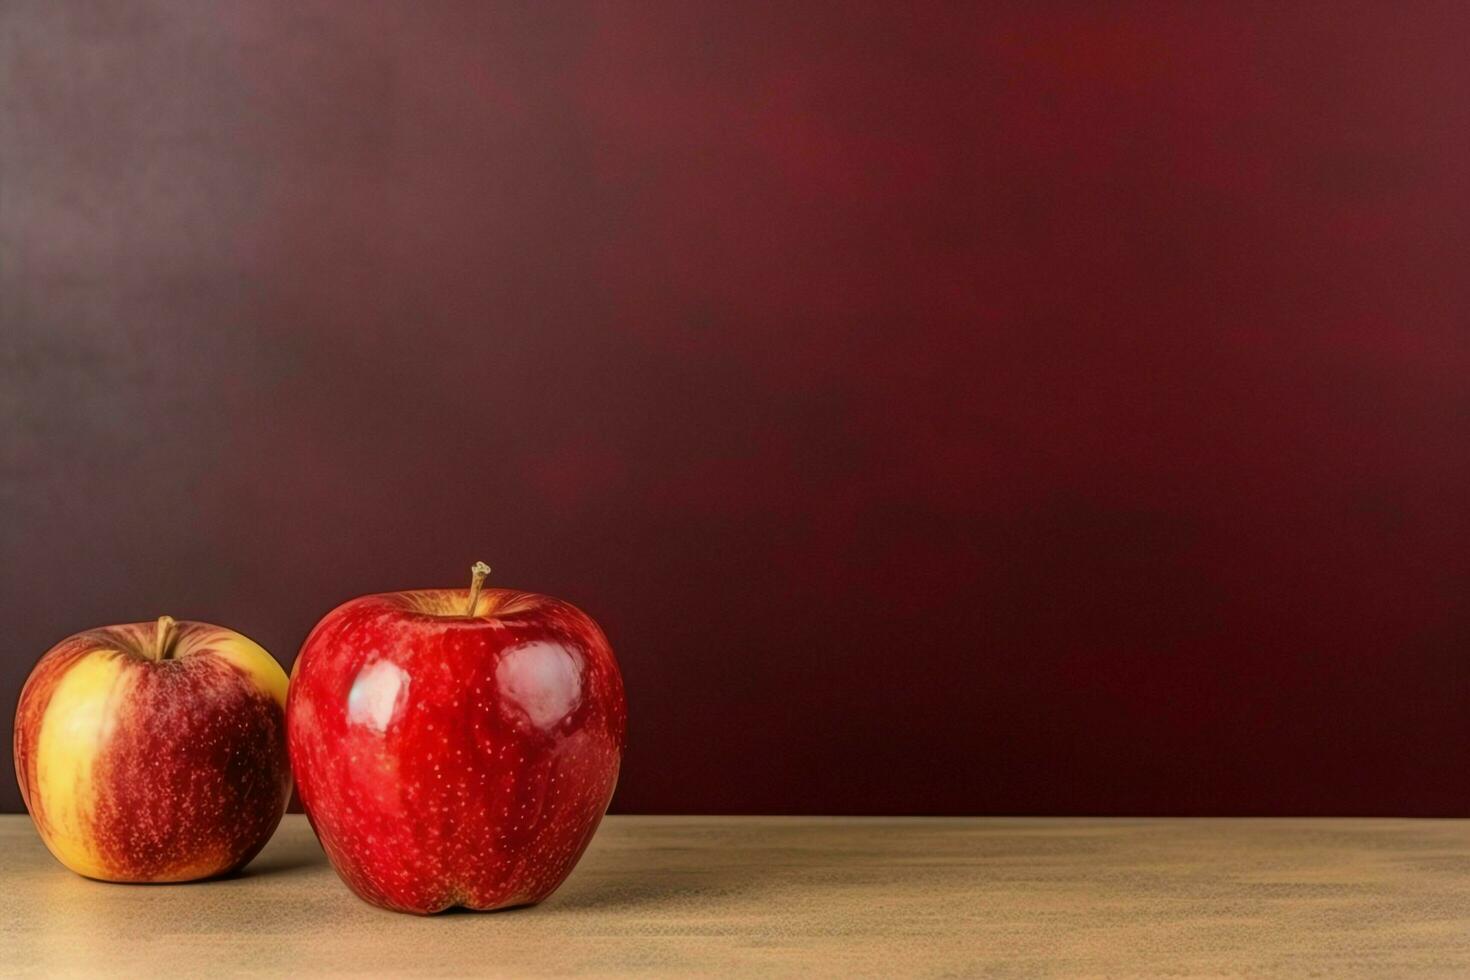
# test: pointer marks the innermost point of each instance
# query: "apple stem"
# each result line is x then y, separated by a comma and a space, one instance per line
163, 638
478, 571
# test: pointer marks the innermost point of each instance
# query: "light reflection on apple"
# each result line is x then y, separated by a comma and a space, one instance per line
542, 681
378, 693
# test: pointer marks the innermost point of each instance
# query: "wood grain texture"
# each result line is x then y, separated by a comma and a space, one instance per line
757, 896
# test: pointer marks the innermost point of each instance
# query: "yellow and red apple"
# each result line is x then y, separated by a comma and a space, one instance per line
154, 752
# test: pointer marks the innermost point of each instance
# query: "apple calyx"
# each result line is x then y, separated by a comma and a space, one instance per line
163, 638
478, 571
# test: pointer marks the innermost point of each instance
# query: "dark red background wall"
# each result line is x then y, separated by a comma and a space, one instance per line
969, 408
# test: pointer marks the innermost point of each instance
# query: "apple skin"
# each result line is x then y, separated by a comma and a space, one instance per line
452, 760
149, 762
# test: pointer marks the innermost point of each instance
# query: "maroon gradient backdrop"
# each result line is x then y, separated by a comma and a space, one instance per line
969, 408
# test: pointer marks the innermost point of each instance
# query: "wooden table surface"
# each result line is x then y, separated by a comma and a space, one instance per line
762, 896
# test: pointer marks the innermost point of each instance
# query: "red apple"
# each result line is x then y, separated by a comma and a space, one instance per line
455, 747
154, 751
